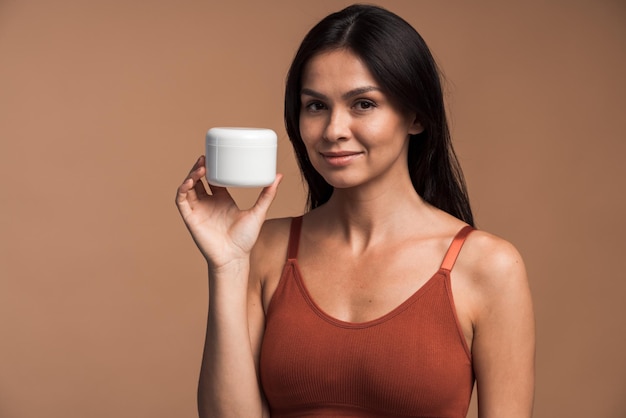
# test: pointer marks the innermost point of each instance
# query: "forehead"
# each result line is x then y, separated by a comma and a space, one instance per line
336, 69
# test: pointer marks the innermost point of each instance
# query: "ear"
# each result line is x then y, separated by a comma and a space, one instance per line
416, 127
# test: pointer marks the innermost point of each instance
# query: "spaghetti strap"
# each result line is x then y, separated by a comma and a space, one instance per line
294, 238
455, 248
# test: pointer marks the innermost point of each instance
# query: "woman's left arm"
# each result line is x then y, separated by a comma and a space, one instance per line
503, 347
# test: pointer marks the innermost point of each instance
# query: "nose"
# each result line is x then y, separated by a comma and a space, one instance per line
338, 126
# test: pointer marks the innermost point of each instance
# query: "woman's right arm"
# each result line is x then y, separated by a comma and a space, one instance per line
229, 385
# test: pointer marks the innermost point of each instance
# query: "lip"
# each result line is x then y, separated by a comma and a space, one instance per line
340, 158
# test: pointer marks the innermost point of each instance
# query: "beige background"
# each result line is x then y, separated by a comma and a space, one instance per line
104, 106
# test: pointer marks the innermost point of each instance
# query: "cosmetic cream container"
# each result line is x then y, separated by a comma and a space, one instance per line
240, 157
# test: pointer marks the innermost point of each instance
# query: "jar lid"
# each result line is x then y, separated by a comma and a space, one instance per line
258, 137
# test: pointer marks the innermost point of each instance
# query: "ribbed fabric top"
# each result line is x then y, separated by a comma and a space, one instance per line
411, 362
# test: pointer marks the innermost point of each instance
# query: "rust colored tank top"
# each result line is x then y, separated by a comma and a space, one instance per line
411, 362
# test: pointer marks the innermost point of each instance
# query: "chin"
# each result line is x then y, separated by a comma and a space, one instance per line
342, 182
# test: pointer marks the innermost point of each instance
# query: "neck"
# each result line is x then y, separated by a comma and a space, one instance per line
365, 216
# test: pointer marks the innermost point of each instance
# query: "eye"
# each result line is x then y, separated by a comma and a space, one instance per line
314, 106
364, 105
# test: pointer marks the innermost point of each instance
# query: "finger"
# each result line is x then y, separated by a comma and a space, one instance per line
200, 190
183, 193
267, 196
193, 183
200, 162
198, 170
187, 190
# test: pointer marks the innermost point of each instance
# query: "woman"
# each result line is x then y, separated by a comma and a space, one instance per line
382, 299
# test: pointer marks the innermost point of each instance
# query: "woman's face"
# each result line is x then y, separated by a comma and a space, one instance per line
352, 131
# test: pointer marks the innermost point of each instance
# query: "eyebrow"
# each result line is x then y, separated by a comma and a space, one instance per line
354, 92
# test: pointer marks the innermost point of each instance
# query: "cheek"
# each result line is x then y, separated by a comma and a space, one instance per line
393, 130
304, 128
308, 131
306, 140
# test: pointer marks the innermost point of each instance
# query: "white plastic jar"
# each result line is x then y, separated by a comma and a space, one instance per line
241, 157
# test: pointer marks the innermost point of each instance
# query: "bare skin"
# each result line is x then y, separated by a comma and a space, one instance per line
357, 252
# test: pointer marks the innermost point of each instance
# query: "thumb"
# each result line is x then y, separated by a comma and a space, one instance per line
266, 197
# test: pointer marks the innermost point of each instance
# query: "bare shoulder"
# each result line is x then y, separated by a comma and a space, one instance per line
491, 261
493, 272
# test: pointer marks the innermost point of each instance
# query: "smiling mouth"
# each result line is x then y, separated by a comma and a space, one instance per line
340, 158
